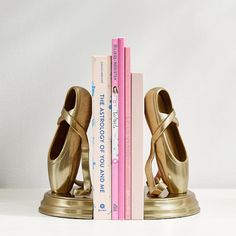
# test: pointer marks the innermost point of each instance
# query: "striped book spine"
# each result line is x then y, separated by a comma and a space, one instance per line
115, 156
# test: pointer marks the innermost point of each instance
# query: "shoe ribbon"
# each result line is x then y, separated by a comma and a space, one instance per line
85, 186
156, 185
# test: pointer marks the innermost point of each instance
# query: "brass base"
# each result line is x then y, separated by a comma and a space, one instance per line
173, 206
68, 207
170, 207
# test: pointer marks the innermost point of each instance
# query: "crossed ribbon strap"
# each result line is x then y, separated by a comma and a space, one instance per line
84, 186
156, 185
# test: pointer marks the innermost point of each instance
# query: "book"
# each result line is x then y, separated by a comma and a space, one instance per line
101, 126
121, 126
128, 163
137, 146
115, 115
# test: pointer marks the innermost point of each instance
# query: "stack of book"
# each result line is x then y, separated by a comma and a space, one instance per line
117, 136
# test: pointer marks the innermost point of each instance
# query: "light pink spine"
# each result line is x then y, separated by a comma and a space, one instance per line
121, 124
128, 193
115, 115
137, 146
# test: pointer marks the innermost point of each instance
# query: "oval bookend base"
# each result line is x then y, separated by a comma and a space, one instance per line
173, 206
67, 206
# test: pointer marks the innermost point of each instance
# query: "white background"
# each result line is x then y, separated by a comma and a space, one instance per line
188, 47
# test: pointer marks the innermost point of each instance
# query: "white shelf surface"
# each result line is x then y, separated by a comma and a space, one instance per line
19, 216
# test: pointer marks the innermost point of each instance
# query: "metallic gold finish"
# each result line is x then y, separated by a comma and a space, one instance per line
172, 161
70, 144
175, 205
166, 145
69, 147
68, 207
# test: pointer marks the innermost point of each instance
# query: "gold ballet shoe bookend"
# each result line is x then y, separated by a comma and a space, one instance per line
167, 195
70, 147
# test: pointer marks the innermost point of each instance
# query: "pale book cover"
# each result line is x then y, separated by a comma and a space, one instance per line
101, 126
137, 146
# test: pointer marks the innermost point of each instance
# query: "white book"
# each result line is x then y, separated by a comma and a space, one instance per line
101, 126
114, 133
137, 146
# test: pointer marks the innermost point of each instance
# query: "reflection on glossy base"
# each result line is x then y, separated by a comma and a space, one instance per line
171, 207
67, 206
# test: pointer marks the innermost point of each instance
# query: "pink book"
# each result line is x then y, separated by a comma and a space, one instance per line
121, 127
115, 167
128, 163
137, 146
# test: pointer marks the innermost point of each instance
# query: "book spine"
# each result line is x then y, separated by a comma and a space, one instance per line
115, 115
101, 125
137, 146
121, 123
128, 162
